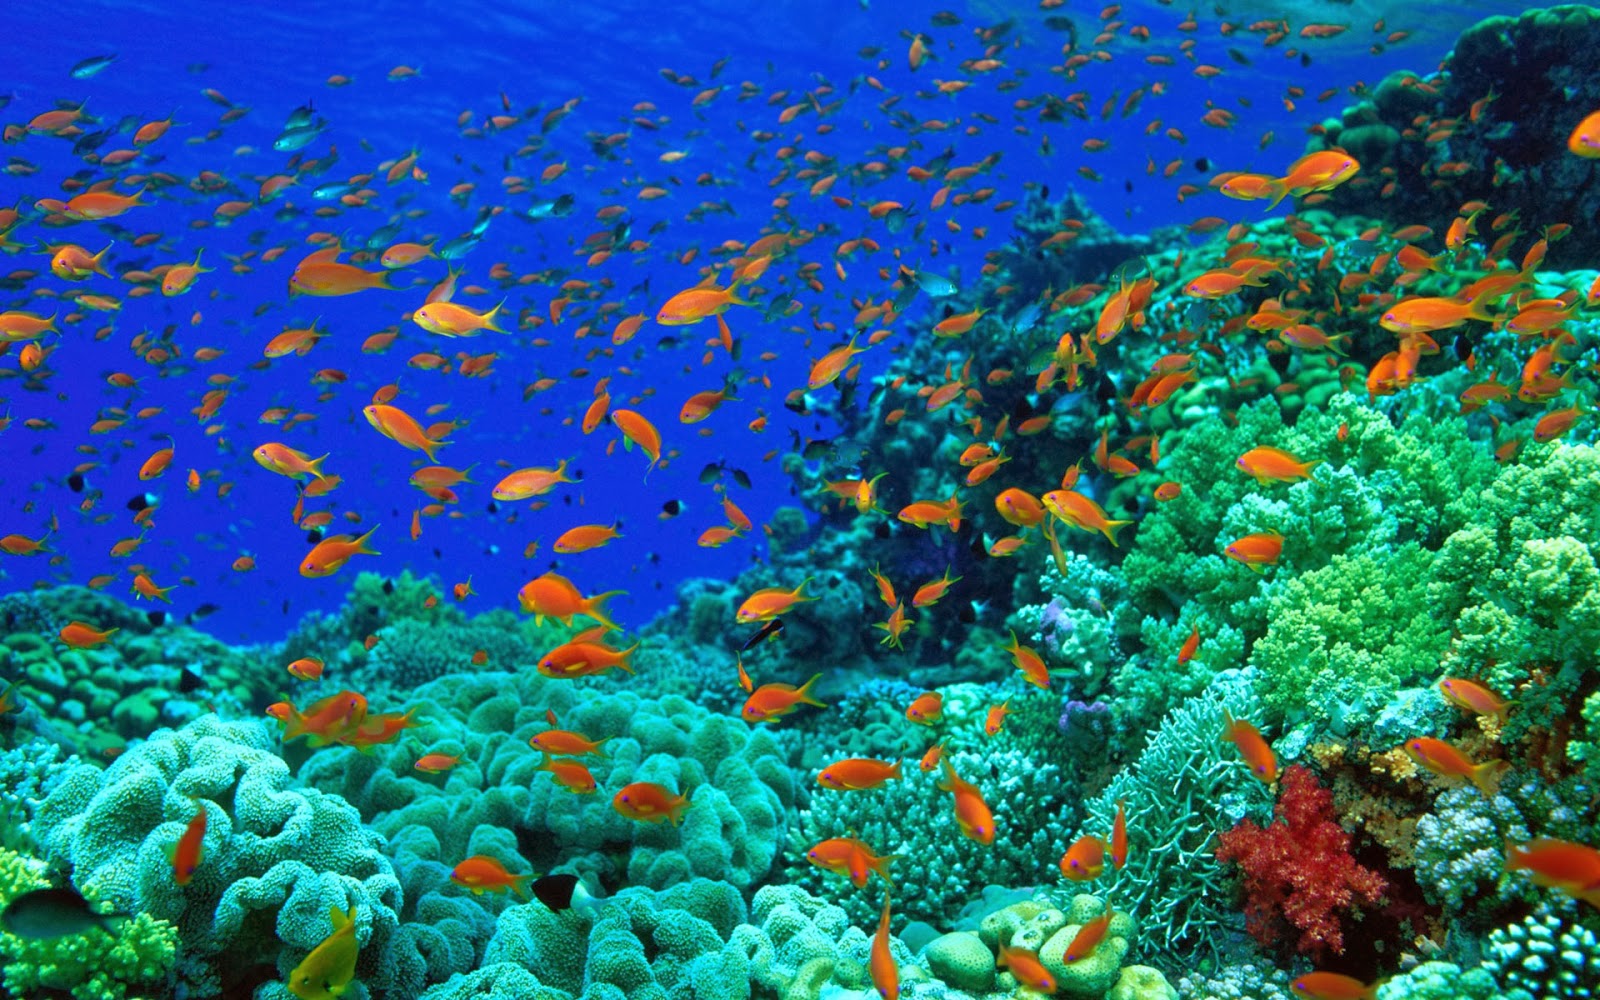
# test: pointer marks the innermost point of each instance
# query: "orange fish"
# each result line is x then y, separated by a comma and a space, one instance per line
435, 763
770, 602
285, 461
695, 304
1081, 512
1084, 860
561, 743
401, 428
856, 774
1559, 864
307, 668
1256, 550
189, 850
1029, 662
880, 960
649, 802
330, 554
770, 702
1190, 646
1119, 837
972, 813
1025, 965
996, 718
1332, 986
1087, 939
1473, 697
1451, 764
585, 537
637, 430
851, 858
583, 656
571, 775
1272, 465
554, 596
926, 709
1252, 747
531, 482
1585, 138
449, 319
79, 635
481, 873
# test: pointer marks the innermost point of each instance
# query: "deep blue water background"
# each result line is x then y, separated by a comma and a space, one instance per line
539, 55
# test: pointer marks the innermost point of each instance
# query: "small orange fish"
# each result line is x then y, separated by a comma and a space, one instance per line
189, 850
1473, 697
1025, 965
1084, 860
1256, 551
481, 873
996, 718
435, 763
1451, 764
1252, 747
880, 960
1273, 465
851, 858
972, 813
926, 709
856, 774
649, 802
770, 602
307, 668
330, 554
1559, 864
79, 635
771, 702
1332, 986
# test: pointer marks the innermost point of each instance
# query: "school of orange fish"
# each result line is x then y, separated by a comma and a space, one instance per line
781, 274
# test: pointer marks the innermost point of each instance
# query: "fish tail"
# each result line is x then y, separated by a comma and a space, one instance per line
805, 695
361, 543
520, 883
625, 660
675, 808
488, 318
1110, 530
1487, 776
595, 607
1279, 189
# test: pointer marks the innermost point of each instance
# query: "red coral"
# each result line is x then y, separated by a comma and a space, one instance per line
1298, 872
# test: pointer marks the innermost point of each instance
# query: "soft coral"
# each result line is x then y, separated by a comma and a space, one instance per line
1300, 871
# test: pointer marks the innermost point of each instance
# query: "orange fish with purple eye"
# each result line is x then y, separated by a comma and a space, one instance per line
926, 708
856, 774
1332, 986
771, 702
1084, 860
851, 858
1451, 764
649, 802
973, 815
996, 718
1473, 697
1257, 550
1025, 966
770, 602
1585, 138
1274, 465
1032, 665
1252, 747
436, 763
481, 873
1088, 938
571, 775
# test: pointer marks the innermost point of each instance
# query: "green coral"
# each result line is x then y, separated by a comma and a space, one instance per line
1186, 785
1441, 981
1342, 639
133, 959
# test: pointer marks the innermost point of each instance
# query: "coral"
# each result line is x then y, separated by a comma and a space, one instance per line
961, 959
1184, 786
1141, 982
1090, 977
1461, 848
938, 867
135, 958
1342, 639
1548, 956
1235, 982
791, 928
277, 856
1441, 981
1298, 874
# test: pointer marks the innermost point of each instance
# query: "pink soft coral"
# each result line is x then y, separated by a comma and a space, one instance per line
1299, 871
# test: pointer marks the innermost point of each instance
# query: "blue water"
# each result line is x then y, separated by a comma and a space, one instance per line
470, 57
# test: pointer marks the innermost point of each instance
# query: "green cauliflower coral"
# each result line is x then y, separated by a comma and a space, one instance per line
135, 958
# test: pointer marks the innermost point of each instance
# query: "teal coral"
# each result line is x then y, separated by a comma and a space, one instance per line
277, 855
1546, 957
1185, 786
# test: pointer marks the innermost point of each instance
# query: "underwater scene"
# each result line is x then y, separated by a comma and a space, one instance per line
821, 500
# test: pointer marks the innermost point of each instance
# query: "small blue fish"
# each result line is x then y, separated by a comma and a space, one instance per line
92, 66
